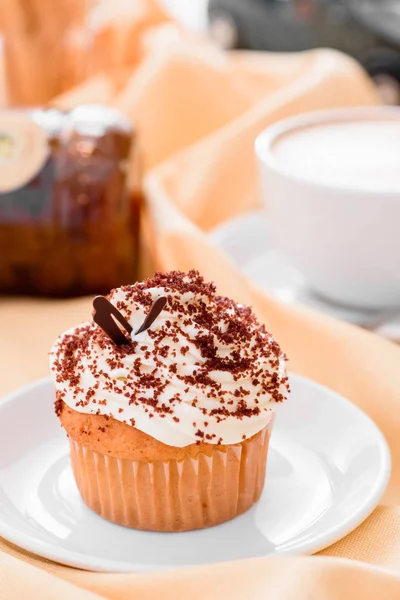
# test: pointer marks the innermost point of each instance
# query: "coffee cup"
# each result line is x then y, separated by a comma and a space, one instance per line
331, 188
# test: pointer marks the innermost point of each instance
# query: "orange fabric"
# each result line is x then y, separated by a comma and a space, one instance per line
117, 32
197, 112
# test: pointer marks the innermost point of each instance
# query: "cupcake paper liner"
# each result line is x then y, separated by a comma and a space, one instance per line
193, 493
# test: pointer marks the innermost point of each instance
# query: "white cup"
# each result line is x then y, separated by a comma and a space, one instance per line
331, 185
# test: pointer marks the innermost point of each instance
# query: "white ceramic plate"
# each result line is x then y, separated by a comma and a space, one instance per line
327, 469
246, 239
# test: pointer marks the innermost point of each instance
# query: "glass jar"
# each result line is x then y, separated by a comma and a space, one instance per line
68, 214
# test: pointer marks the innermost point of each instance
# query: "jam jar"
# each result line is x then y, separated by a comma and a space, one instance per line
69, 201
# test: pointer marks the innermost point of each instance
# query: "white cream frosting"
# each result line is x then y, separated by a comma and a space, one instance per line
143, 384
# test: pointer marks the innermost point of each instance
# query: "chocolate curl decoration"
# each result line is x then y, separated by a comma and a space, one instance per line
106, 314
155, 310
103, 315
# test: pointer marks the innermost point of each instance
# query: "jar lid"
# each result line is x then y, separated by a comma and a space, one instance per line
24, 149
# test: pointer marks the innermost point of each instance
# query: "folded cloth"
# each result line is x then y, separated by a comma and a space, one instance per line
197, 111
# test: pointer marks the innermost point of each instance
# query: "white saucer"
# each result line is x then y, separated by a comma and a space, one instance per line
327, 469
246, 239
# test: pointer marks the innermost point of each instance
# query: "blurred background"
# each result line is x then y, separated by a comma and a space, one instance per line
78, 133
368, 30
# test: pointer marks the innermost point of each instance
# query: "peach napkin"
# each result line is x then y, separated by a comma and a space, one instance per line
197, 112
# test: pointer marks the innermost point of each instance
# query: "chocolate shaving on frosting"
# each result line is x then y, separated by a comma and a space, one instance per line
103, 315
155, 310
104, 312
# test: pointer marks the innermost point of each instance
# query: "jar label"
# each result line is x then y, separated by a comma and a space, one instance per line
24, 150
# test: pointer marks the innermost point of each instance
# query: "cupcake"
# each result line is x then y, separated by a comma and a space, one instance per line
169, 430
